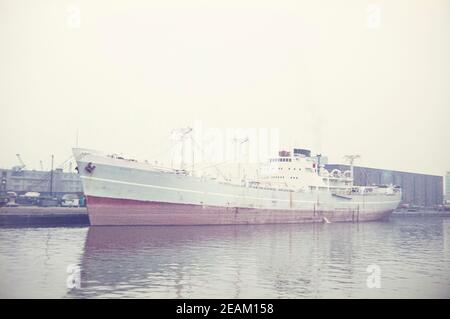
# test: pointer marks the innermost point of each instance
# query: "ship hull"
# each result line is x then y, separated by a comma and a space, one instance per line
121, 192
114, 211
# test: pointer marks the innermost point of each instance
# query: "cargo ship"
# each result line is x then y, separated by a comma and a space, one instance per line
292, 187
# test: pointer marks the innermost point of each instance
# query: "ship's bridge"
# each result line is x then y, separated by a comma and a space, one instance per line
300, 170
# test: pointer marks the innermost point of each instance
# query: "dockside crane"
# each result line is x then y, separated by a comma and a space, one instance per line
20, 167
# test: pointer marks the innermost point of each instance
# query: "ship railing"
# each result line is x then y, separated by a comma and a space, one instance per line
357, 190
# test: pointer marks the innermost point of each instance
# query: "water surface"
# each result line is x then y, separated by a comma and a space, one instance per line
412, 255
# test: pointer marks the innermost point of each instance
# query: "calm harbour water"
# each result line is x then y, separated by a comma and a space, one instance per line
267, 261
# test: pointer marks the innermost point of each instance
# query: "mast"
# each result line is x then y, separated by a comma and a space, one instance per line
183, 132
351, 159
318, 163
51, 178
238, 144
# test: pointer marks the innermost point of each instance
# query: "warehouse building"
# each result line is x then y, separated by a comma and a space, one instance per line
44, 182
417, 189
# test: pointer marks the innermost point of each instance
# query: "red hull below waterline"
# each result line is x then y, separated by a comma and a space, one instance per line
111, 211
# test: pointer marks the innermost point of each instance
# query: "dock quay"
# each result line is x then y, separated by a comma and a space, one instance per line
43, 216
422, 213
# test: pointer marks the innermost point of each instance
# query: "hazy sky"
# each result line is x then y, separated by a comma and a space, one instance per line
340, 77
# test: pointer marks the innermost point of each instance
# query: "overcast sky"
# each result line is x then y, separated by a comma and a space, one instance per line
339, 77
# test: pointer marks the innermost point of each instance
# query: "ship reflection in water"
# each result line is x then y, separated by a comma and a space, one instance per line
274, 261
